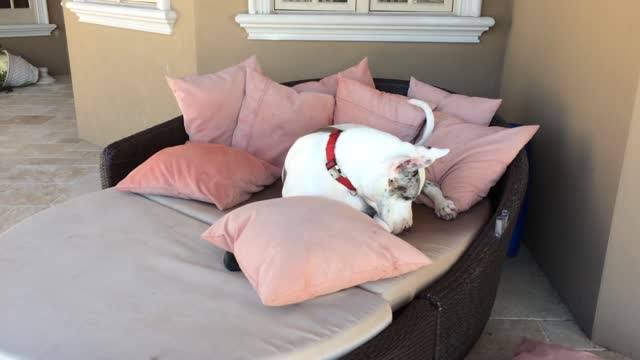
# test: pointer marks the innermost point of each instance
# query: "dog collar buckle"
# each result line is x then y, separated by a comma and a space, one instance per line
334, 170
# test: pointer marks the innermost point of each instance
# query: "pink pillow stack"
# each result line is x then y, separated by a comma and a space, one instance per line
471, 109
274, 116
211, 173
211, 103
297, 248
478, 157
329, 85
359, 104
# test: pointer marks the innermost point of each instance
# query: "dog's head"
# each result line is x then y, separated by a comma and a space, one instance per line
397, 183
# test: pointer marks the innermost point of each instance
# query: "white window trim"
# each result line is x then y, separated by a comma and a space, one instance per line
40, 28
158, 20
464, 25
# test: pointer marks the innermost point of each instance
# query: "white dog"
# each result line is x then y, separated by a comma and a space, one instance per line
371, 170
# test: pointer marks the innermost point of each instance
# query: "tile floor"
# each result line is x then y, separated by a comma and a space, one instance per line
43, 163
42, 160
527, 306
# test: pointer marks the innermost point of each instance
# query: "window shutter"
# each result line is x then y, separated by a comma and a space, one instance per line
412, 5
317, 5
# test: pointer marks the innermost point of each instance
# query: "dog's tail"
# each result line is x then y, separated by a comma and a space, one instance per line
430, 122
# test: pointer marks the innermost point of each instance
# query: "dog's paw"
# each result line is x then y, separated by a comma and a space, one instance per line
446, 210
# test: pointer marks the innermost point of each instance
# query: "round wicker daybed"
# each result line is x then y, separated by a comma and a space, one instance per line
114, 275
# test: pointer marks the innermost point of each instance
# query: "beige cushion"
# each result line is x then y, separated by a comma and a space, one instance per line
206, 212
442, 241
114, 276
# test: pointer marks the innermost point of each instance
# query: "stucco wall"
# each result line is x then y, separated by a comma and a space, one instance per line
118, 74
467, 68
48, 51
617, 322
571, 66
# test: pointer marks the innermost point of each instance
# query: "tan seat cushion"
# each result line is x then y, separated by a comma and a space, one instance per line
443, 241
114, 276
206, 212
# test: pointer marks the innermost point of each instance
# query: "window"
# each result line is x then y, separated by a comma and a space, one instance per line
366, 20
143, 15
373, 5
24, 18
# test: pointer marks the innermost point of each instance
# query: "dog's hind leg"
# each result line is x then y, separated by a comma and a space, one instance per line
445, 209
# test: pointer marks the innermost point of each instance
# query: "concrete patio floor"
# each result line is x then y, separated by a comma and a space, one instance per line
43, 163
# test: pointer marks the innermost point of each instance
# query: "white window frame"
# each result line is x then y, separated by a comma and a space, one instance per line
350, 5
158, 19
40, 28
462, 25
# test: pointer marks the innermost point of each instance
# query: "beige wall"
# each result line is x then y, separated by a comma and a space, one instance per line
574, 70
118, 74
468, 68
49, 51
617, 322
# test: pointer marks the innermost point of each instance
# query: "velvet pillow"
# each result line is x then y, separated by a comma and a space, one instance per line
274, 116
211, 173
478, 157
329, 85
297, 248
359, 104
475, 110
210, 103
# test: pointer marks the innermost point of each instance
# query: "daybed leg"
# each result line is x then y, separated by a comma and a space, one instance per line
435, 303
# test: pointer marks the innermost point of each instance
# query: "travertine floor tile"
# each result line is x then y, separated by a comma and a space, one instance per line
567, 333
30, 194
525, 293
501, 338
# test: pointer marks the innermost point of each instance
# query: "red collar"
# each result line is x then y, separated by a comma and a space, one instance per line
332, 163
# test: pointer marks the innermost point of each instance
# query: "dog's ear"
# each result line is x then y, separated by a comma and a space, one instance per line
408, 164
426, 156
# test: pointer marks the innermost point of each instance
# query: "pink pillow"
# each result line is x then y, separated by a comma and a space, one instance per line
274, 116
359, 104
210, 103
297, 248
535, 350
329, 85
471, 109
478, 157
211, 173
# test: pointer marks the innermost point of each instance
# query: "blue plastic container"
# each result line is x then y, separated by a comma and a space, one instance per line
516, 239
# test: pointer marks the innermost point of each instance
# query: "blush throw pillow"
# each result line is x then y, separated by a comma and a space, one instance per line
211, 173
478, 157
329, 85
475, 110
211, 103
359, 104
274, 116
297, 248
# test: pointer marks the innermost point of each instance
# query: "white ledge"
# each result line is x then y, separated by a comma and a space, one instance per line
26, 30
370, 27
127, 17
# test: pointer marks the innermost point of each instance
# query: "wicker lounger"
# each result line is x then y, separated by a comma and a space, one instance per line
442, 322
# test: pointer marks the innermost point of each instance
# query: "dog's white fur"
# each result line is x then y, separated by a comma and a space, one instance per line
378, 164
